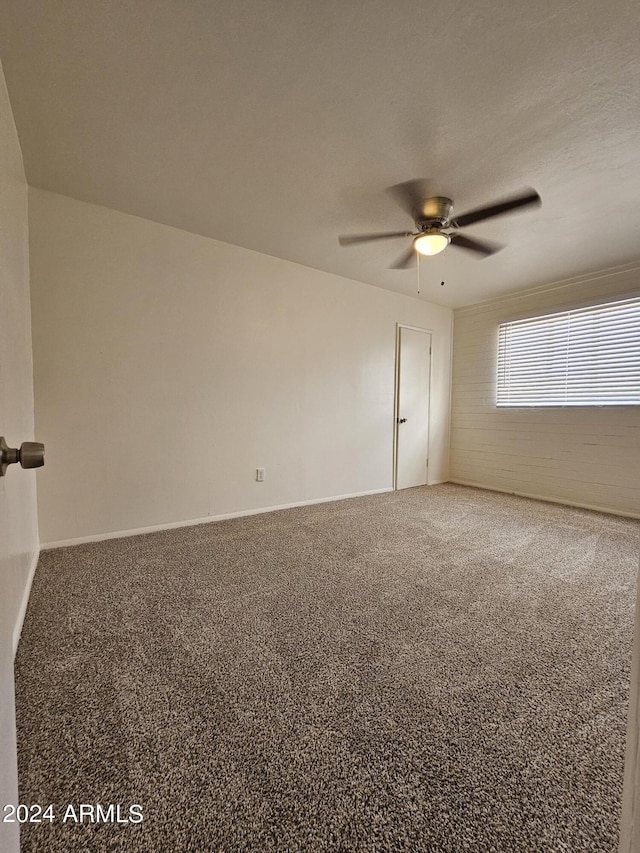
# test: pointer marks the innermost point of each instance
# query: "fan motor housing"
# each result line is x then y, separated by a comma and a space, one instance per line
434, 212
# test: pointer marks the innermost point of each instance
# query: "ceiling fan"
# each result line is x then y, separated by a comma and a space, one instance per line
435, 224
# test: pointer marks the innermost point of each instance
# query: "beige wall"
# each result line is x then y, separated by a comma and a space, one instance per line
583, 455
169, 366
18, 520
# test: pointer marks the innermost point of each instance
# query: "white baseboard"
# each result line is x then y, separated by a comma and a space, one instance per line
138, 531
17, 630
546, 498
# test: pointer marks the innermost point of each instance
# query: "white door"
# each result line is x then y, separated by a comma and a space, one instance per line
412, 406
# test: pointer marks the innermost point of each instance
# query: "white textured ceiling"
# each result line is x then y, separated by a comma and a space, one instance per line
278, 124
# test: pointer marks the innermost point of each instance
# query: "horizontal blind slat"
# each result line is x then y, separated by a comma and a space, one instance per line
590, 356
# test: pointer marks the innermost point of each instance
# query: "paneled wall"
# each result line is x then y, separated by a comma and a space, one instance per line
589, 456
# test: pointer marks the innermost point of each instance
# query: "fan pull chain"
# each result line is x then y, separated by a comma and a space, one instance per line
418, 269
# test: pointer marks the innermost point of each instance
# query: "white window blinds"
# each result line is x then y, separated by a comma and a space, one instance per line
587, 357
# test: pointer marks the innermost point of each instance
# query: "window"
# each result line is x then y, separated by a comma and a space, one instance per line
587, 357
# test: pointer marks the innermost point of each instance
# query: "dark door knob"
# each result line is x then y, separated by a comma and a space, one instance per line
401, 420
30, 454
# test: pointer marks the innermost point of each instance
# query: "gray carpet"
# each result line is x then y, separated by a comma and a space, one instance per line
438, 669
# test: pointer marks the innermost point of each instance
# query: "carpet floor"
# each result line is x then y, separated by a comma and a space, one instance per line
440, 669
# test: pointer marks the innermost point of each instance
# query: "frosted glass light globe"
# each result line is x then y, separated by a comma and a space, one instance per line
431, 243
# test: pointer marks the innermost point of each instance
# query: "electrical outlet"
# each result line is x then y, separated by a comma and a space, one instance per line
260, 474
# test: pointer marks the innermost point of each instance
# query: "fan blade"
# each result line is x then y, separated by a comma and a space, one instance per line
482, 247
410, 195
406, 260
352, 239
531, 197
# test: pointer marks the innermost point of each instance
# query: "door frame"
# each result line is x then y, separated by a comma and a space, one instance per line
629, 819
396, 397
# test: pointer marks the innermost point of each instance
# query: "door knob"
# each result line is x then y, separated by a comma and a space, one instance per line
30, 454
401, 420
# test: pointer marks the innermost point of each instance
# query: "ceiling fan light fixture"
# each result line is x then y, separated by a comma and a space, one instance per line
431, 242
433, 218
